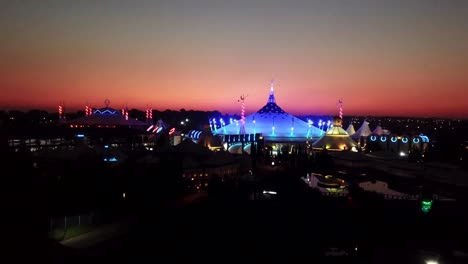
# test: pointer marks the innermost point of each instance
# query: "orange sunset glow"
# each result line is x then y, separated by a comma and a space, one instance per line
382, 58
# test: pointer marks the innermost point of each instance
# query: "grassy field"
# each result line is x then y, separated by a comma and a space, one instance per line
69, 232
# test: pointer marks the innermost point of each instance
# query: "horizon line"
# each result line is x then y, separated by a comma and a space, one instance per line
230, 113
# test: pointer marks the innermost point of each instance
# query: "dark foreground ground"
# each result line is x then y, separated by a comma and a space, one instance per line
289, 231
297, 225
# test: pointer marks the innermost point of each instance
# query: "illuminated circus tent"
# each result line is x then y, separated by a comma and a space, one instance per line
106, 117
336, 138
273, 123
158, 127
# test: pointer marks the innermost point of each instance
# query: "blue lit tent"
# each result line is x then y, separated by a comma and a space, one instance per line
106, 117
273, 123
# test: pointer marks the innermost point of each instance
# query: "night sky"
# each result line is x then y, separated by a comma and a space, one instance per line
382, 57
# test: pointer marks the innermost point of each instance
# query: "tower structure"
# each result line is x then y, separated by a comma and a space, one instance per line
149, 114
340, 105
60, 110
242, 100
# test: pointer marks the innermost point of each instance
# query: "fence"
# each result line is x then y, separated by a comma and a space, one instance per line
72, 221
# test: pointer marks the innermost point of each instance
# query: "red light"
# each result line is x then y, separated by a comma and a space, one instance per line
88, 111
172, 131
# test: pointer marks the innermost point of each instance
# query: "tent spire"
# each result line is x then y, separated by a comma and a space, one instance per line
271, 98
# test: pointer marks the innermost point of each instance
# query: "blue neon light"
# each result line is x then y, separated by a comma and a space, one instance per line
107, 111
415, 140
424, 138
373, 138
80, 136
393, 139
383, 139
106, 146
159, 130
404, 140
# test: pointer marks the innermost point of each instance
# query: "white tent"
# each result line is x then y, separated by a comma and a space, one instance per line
350, 130
378, 131
363, 131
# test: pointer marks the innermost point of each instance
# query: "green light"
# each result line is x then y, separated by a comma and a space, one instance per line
426, 206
